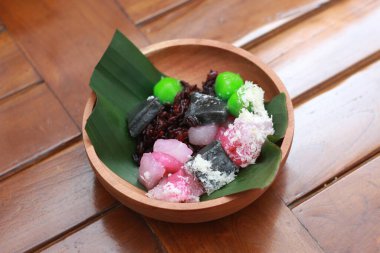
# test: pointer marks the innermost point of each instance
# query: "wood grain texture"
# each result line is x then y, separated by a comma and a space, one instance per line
16, 72
142, 11
120, 230
65, 39
227, 20
265, 226
32, 124
332, 132
43, 201
324, 45
349, 210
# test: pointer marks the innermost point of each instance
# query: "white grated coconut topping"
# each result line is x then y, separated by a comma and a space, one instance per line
252, 96
170, 188
201, 164
168, 192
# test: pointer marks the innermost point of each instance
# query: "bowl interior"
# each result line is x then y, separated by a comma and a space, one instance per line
190, 60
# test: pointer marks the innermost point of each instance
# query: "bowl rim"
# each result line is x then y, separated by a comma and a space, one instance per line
135, 194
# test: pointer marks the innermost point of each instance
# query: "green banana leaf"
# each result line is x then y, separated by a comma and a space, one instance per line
123, 78
277, 108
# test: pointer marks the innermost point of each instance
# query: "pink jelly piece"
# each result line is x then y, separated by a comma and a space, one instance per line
170, 164
150, 171
243, 139
231, 147
178, 187
202, 135
173, 147
219, 133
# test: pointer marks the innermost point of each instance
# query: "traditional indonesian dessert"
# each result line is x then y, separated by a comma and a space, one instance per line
193, 141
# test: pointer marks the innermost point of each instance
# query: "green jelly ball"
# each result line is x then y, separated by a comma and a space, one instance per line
226, 84
166, 89
234, 104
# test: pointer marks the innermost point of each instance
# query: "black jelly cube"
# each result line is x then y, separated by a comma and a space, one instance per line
142, 115
221, 172
206, 109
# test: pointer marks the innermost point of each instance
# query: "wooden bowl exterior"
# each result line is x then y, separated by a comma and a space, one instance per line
190, 60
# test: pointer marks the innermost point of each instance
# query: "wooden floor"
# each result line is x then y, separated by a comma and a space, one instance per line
326, 198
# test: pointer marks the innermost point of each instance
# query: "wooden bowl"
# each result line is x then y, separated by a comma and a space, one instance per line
190, 60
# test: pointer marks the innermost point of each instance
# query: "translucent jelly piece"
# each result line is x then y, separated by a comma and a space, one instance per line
206, 109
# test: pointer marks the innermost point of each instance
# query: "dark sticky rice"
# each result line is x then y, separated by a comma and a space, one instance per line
170, 123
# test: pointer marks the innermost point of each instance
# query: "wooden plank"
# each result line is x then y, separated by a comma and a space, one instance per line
32, 124
16, 72
142, 11
333, 132
118, 231
65, 39
43, 201
265, 226
348, 210
325, 45
227, 20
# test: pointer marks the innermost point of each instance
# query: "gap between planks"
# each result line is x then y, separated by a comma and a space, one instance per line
350, 169
372, 156
162, 12
160, 243
318, 90
335, 80
14, 52
20, 91
64, 108
41, 157
88, 221
29, 59
123, 11
261, 35
66, 233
